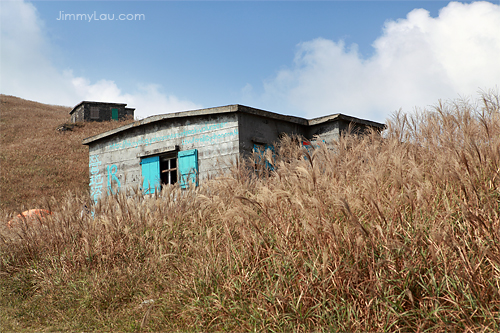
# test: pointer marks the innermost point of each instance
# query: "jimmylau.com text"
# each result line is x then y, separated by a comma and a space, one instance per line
100, 17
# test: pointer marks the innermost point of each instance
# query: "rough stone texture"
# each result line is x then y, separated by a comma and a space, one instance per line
82, 111
221, 136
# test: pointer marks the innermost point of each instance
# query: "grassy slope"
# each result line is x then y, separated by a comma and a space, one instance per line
37, 161
399, 234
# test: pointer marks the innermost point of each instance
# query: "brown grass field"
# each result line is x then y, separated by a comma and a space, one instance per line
37, 161
392, 233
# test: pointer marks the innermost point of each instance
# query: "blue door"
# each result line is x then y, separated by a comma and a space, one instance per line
151, 174
188, 167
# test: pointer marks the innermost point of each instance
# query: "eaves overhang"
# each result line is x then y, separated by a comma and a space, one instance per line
340, 116
229, 109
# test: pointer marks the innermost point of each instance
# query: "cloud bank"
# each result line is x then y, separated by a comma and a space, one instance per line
28, 71
417, 61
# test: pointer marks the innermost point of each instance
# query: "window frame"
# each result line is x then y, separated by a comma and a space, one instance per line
168, 168
154, 167
95, 112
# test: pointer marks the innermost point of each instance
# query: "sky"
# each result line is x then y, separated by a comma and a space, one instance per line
366, 59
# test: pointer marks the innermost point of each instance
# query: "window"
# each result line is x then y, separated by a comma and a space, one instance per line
94, 112
169, 168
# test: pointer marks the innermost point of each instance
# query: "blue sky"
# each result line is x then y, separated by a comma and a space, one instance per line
306, 58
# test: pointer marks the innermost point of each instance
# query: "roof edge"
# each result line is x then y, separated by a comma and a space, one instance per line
229, 109
199, 112
95, 102
340, 116
155, 118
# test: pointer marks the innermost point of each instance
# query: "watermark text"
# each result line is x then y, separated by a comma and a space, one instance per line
100, 17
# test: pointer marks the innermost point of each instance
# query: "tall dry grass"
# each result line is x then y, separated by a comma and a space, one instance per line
392, 233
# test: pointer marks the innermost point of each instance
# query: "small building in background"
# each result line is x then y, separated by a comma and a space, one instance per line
100, 111
185, 148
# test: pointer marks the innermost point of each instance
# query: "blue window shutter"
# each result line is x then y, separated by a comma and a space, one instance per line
188, 167
151, 174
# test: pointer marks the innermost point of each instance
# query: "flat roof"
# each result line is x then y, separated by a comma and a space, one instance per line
93, 102
229, 109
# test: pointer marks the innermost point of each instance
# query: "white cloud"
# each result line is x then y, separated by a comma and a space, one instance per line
28, 72
147, 99
417, 60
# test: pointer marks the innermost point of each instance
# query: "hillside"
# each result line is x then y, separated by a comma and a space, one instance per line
392, 233
38, 161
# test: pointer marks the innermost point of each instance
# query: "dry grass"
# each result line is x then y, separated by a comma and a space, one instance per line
399, 233
37, 161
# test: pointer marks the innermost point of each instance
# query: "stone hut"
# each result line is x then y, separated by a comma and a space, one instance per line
185, 148
100, 111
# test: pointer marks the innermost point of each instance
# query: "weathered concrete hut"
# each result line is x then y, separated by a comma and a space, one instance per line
187, 147
100, 111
